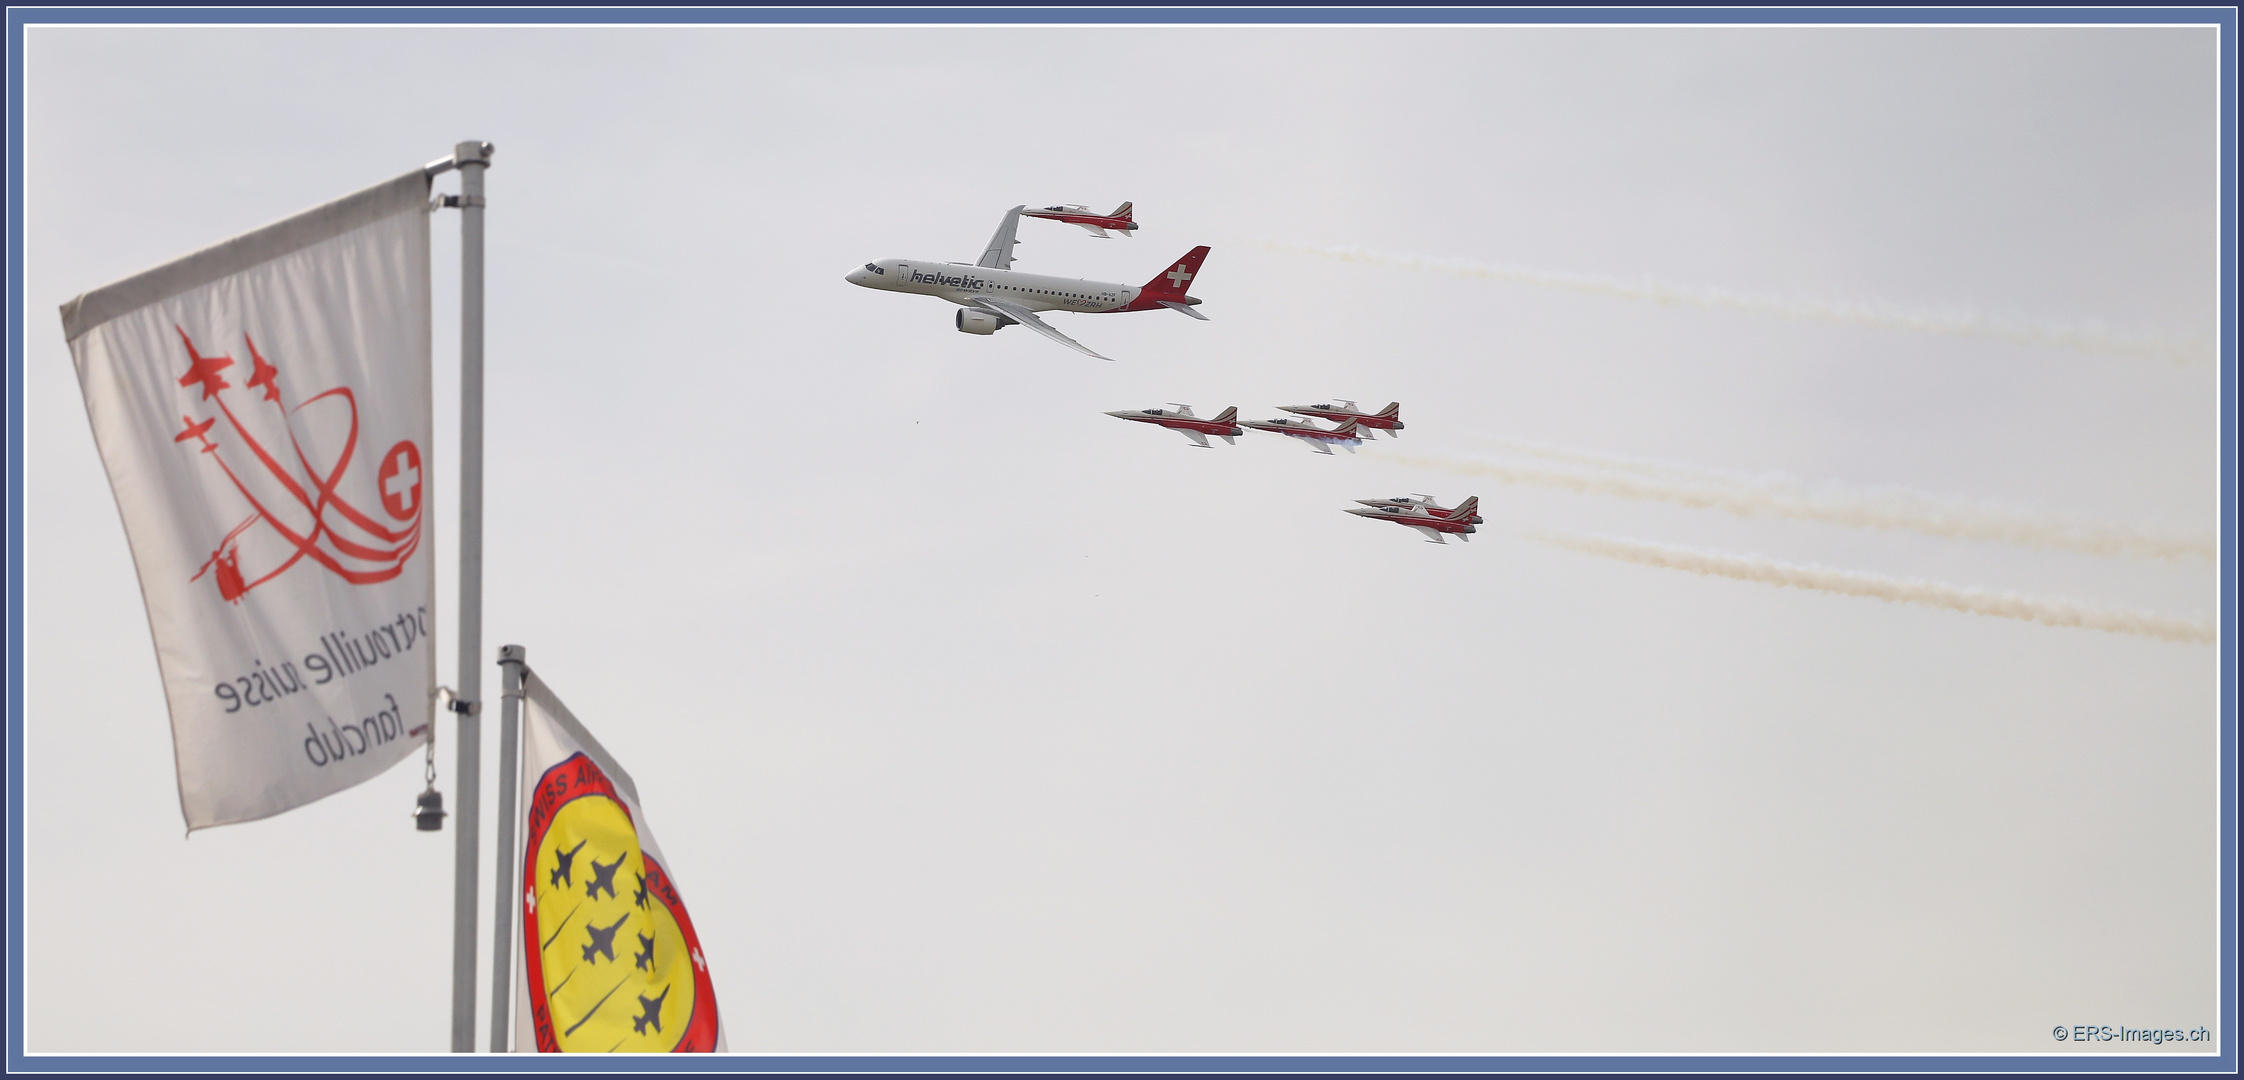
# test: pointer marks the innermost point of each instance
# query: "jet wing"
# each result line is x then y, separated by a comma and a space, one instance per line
1192, 435
1025, 317
999, 255
1431, 534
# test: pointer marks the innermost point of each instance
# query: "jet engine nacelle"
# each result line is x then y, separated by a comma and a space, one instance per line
979, 322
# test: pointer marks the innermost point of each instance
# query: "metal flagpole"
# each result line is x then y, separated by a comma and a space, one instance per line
503, 905
471, 158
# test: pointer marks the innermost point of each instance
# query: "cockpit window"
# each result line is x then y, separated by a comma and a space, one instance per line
874, 269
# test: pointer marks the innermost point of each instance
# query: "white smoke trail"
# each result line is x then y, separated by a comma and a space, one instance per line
1893, 509
2049, 611
1673, 470
2088, 336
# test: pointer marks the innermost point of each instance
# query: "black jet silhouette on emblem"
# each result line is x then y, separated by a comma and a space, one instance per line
562, 861
603, 941
604, 877
651, 1013
640, 897
645, 959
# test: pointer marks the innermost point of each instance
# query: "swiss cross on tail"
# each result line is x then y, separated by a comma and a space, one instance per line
1172, 281
1166, 290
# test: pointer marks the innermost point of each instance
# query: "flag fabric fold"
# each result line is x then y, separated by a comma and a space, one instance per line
610, 960
262, 408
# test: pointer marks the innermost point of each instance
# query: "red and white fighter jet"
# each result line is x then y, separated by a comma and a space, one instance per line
1097, 224
1418, 501
1182, 422
1322, 440
1388, 419
1457, 522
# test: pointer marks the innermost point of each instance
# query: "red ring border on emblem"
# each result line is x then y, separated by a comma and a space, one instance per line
573, 779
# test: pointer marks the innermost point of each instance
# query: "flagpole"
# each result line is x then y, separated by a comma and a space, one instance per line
472, 159
503, 905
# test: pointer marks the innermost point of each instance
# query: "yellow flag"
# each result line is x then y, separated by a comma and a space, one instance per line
610, 958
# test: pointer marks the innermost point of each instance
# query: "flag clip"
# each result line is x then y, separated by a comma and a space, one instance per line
453, 202
465, 707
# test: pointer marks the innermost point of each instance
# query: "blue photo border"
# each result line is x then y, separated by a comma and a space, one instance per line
2067, 1061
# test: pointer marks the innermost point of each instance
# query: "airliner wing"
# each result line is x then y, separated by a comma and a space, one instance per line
1025, 317
999, 255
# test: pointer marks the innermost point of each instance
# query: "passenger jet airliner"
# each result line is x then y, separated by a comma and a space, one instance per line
991, 295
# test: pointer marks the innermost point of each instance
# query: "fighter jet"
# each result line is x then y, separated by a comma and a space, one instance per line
991, 295
602, 941
1184, 423
203, 370
1420, 501
197, 431
650, 1012
1458, 522
562, 860
603, 877
1322, 440
1097, 224
1388, 419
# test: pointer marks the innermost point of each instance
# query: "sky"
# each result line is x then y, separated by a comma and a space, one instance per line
974, 720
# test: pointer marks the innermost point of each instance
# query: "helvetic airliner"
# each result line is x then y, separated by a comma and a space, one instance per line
991, 295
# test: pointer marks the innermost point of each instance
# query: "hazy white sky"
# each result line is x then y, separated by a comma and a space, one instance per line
975, 720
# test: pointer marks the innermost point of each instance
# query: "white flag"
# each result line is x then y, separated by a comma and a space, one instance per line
610, 960
263, 410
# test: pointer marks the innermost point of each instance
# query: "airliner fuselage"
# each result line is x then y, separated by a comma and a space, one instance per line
960, 283
991, 295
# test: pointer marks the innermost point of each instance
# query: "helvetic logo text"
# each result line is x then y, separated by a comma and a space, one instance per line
956, 281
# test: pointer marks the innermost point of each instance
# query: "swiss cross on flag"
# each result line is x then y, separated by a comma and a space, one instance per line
400, 481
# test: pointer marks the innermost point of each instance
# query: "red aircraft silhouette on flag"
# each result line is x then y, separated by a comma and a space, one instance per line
348, 541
